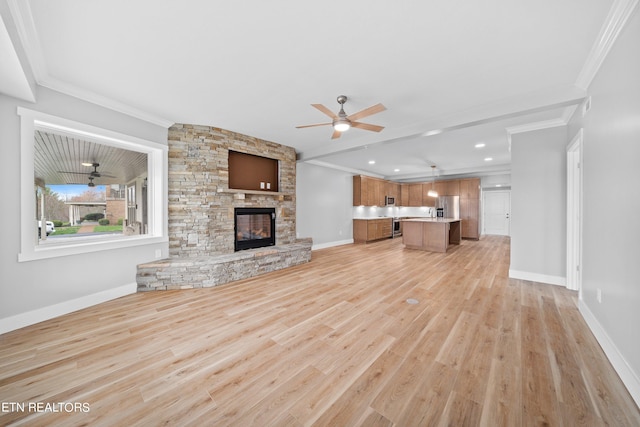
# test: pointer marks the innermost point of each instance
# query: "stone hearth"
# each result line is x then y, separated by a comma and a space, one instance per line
201, 211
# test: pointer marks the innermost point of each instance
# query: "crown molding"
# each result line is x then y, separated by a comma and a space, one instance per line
28, 34
618, 15
529, 127
23, 21
104, 101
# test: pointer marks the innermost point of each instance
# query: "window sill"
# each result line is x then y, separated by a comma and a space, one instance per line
50, 249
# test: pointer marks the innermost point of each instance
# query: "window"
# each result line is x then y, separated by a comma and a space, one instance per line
110, 182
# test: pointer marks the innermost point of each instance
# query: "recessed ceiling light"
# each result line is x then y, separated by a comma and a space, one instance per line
480, 145
498, 185
372, 162
396, 170
488, 159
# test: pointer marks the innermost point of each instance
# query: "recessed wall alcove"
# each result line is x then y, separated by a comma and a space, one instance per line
201, 210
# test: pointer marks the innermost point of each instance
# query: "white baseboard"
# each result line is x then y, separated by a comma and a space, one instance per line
331, 244
21, 320
625, 372
535, 277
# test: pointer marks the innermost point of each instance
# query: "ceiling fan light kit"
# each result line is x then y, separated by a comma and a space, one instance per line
341, 122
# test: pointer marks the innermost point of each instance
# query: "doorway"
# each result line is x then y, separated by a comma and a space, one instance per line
497, 208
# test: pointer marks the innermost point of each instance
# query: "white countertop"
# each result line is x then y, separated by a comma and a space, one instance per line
375, 217
431, 220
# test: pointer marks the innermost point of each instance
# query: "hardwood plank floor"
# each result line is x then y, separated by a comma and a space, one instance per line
330, 343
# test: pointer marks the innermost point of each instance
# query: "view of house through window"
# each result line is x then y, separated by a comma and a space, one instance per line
86, 188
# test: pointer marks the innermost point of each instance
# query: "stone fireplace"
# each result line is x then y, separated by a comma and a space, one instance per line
202, 212
201, 204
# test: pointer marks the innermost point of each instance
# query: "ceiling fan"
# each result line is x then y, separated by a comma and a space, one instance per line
93, 174
341, 122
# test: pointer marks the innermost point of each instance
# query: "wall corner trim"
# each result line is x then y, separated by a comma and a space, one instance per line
625, 372
21, 320
618, 15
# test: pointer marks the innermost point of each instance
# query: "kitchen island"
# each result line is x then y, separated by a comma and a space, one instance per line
430, 234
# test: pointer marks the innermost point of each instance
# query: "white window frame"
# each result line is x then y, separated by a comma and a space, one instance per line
157, 171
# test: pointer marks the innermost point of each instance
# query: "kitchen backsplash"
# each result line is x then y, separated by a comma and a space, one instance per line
391, 211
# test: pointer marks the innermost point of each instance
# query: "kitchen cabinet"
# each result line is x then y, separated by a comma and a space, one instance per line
373, 192
470, 188
415, 194
404, 195
448, 188
369, 191
440, 187
470, 207
430, 234
392, 189
367, 230
426, 199
452, 188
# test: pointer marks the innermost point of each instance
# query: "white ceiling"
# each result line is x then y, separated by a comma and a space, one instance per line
464, 71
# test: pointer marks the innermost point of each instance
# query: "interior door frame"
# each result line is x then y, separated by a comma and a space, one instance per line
574, 213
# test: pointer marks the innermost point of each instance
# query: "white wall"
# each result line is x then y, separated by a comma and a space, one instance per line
324, 199
611, 179
538, 205
35, 290
491, 181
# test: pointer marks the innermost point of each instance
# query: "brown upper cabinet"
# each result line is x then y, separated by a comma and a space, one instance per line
448, 187
369, 191
415, 194
470, 188
392, 189
451, 188
404, 194
426, 199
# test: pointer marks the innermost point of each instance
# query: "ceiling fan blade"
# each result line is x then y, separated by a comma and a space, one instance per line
325, 110
78, 173
336, 134
367, 112
310, 126
367, 126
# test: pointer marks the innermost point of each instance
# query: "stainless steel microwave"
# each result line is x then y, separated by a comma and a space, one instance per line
389, 201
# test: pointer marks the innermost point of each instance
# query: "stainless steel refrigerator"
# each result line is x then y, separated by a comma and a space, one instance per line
450, 206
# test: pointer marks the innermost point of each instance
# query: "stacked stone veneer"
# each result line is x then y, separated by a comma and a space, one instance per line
201, 211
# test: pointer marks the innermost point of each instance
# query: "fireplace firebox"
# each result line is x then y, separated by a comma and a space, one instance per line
254, 228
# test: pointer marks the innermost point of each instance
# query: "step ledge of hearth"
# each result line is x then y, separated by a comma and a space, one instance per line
299, 244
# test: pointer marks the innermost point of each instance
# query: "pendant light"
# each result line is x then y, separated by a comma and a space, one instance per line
433, 192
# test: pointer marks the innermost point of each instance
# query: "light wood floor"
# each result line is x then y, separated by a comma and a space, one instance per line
330, 343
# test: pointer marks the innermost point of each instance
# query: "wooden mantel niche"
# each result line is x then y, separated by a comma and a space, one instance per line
253, 173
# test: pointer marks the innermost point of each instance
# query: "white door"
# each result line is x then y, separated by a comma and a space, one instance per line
497, 206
